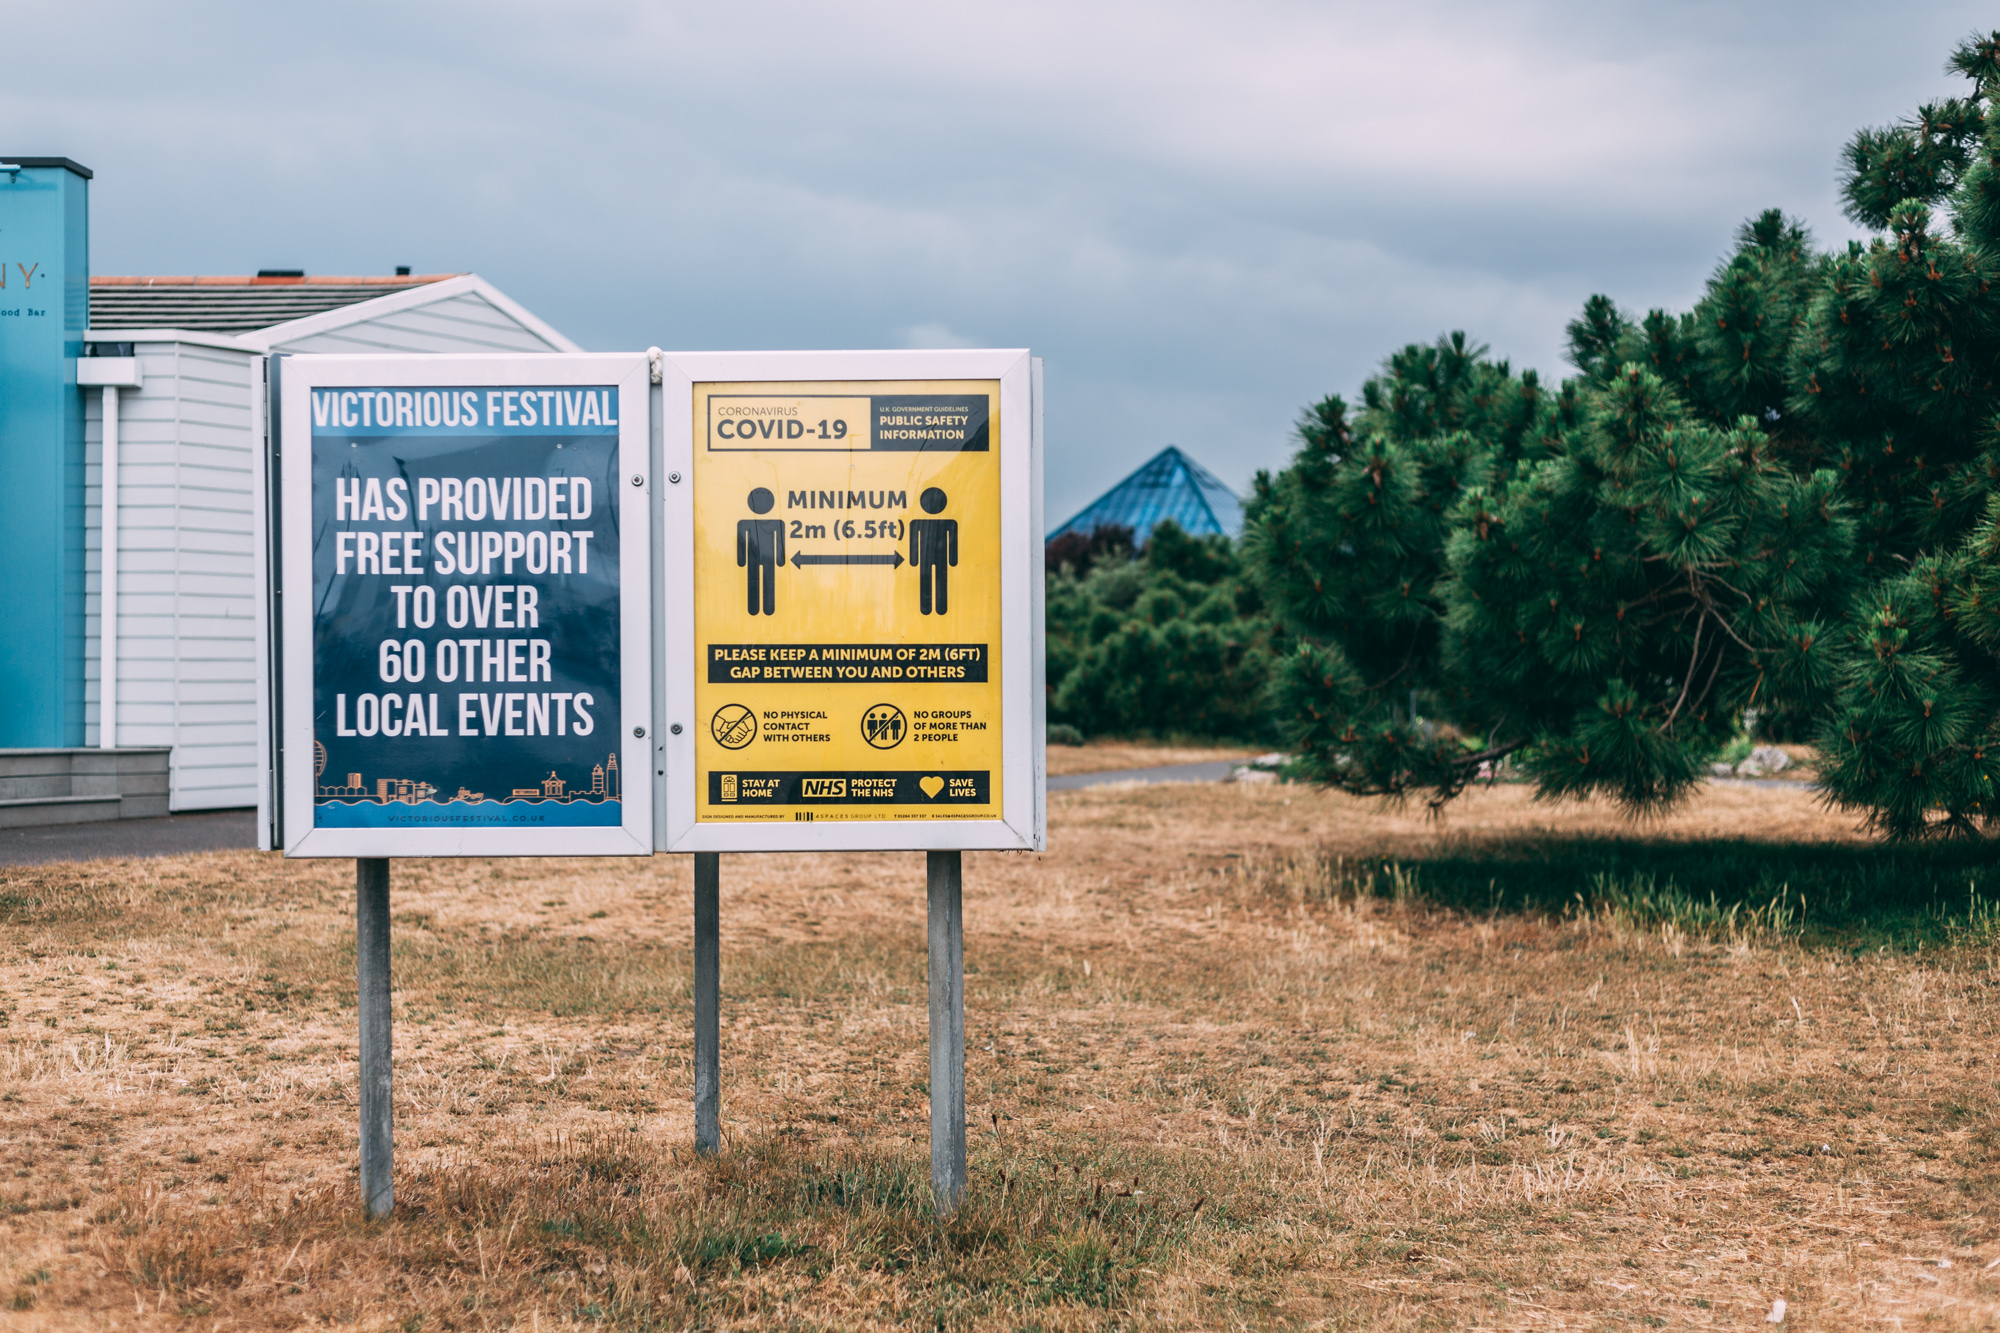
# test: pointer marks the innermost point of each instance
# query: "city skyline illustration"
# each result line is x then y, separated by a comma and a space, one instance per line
605, 784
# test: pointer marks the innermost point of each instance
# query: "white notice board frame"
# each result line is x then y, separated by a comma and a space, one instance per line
1023, 825
294, 378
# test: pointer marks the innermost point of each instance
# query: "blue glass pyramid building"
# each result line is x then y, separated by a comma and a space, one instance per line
1170, 485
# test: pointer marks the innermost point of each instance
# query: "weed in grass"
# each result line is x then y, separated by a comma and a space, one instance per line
1639, 905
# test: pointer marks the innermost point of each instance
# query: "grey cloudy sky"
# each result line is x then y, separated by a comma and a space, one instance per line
1203, 215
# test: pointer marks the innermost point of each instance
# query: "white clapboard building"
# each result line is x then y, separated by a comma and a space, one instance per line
174, 369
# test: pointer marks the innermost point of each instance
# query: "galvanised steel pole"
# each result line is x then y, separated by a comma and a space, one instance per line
371, 950
945, 885
707, 1002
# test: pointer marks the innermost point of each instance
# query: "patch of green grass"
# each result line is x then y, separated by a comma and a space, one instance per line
1079, 1270
622, 1224
1643, 902
738, 1249
1895, 897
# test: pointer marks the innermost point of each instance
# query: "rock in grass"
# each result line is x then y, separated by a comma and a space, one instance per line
1770, 758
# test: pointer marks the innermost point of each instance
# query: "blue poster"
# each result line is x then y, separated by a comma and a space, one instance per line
466, 607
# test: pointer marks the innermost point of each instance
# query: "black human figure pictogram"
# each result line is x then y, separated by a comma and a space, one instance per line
760, 549
933, 550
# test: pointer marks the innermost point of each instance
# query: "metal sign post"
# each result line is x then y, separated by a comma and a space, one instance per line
944, 890
371, 966
707, 1002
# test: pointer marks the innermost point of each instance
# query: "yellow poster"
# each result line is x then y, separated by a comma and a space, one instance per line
847, 600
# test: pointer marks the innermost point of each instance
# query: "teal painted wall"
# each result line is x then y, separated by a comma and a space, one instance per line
44, 310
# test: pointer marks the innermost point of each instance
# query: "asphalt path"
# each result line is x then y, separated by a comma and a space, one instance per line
1210, 770
1765, 782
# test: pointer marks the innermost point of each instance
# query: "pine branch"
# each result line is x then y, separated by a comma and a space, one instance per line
1708, 604
1467, 772
1688, 683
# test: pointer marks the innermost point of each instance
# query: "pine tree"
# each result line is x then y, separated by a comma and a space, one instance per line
1349, 546
1601, 589
1786, 498
1898, 364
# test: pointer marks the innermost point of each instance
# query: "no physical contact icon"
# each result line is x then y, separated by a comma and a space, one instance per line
733, 726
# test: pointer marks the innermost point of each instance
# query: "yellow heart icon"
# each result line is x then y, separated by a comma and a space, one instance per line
931, 786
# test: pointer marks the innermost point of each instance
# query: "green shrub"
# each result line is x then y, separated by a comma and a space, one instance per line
1172, 642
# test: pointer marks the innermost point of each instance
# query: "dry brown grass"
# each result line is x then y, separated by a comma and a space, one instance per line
1111, 756
1209, 1089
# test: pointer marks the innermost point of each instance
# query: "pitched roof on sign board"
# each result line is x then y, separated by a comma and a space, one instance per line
233, 304
1169, 485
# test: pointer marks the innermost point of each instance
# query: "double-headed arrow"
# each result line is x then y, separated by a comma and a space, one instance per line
803, 559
